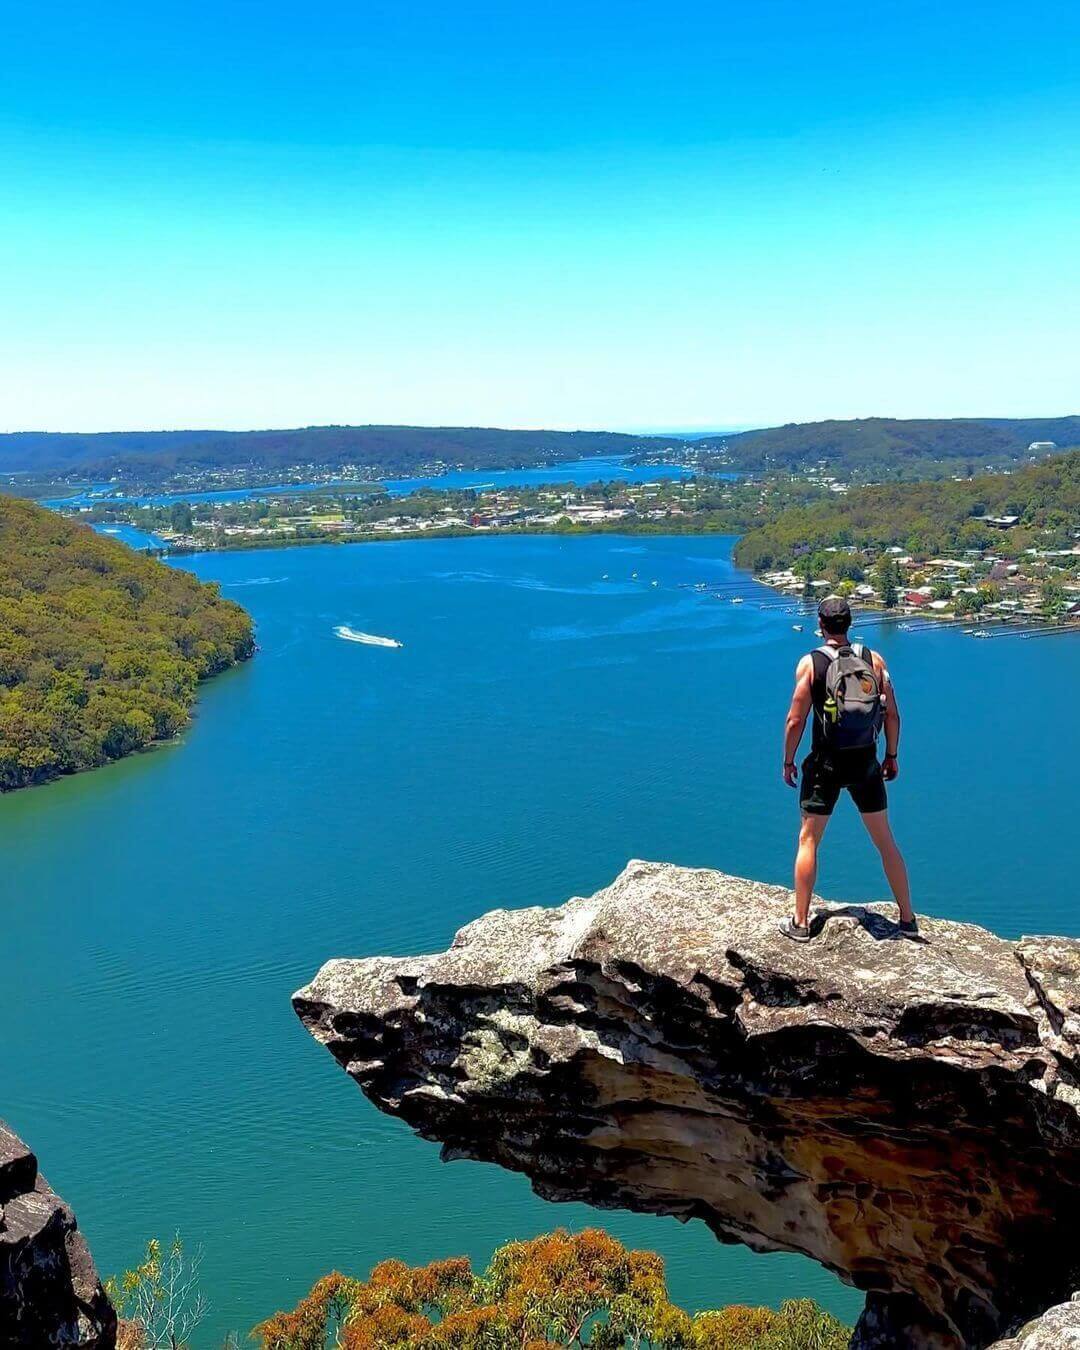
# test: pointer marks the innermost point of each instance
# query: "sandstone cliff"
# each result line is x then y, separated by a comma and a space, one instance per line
905, 1112
50, 1294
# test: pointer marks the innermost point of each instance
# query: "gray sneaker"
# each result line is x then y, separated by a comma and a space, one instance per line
795, 931
909, 927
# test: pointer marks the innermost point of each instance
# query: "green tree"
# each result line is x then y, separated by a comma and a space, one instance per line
967, 603
887, 578
1053, 597
180, 518
847, 569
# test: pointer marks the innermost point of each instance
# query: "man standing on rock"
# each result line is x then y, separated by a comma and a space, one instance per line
848, 688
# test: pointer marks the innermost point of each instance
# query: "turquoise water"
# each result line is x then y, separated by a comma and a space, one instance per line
133, 537
540, 727
598, 468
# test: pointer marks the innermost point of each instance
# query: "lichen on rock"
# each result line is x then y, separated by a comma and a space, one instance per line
904, 1112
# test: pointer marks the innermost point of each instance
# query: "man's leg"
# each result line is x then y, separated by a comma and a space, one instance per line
880, 831
810, 832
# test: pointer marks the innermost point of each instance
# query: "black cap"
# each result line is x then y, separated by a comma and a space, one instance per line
834, 607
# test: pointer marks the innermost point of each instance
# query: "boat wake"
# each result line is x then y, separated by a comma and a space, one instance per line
369, 639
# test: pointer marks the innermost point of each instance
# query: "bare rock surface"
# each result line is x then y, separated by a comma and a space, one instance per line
50, 1294
904, 1112
1056, 1329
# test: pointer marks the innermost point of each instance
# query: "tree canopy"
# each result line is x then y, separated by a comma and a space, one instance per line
877, 448
871, 447
930, 518
101, 648
555, 1292
151, 456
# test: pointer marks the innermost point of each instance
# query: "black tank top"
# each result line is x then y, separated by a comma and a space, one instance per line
817, 693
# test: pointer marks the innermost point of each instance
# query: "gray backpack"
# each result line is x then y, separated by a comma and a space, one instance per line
853, 712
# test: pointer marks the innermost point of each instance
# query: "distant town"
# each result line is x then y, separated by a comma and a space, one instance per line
1002, 574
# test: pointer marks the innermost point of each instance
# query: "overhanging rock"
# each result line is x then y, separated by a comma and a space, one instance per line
904, 1112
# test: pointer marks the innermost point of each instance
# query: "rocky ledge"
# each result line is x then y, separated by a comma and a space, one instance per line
50, 1294
904, 1112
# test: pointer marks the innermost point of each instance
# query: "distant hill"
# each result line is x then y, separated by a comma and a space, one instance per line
873, 447
888, 447
391, 451
929, 518
100, 647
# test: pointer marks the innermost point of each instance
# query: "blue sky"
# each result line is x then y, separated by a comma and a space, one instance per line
590, 214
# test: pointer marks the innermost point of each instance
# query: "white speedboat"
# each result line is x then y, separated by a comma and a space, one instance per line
368, 639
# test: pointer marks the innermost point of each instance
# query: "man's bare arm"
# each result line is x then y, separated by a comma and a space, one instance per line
892, 717
801, 702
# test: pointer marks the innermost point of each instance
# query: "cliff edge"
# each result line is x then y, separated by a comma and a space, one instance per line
50, 1294
905, 1112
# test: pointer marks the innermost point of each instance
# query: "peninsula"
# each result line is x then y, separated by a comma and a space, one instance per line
101, 648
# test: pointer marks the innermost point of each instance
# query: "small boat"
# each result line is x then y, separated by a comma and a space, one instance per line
604, 577
368, 639
633, 576
736, 599
797, 627
656, 583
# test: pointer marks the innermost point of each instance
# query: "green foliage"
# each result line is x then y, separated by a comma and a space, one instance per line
180, 518
966, 603
1053, 597
868, 448
153, 456
871, 449
557, 1291
929, 519
101, 648
888, 579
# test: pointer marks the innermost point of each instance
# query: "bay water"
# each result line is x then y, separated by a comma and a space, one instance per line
594, 469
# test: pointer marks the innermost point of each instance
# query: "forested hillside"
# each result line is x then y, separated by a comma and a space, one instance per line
870, 448
150, 456
930, 518
876, 448
101, 648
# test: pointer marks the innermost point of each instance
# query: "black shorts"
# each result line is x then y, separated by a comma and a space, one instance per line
825, 774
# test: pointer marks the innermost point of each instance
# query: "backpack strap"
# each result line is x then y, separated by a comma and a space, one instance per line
858, 649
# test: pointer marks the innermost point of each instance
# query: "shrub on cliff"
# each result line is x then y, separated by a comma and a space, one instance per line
100, 647
554, 1292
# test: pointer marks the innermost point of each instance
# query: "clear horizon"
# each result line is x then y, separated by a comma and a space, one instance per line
677, 432
587, 217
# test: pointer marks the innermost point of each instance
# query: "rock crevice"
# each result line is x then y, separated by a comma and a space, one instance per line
904, 1112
